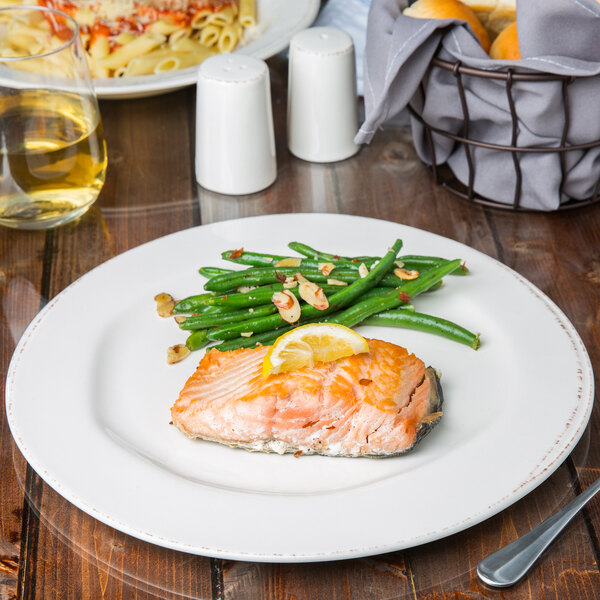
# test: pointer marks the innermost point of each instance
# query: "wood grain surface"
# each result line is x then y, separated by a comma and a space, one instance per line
51, 550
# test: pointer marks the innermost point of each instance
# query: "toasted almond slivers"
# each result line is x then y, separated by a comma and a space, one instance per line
288, 306
288, 285
177, 353
165, 309
332, 281
406, 275
164, 304
399, 264
362, 270
374, 264
312, 293
236, 253
283, 300
246, 288
326, 268
163, 297
289, 262
268, 258
246, 333
180, 319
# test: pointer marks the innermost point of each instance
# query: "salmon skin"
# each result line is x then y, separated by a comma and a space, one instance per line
378, 404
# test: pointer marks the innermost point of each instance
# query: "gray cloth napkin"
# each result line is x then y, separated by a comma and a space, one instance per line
555, 36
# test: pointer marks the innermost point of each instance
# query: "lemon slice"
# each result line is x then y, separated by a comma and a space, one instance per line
308, 344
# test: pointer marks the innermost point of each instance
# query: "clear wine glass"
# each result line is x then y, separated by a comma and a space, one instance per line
52, 149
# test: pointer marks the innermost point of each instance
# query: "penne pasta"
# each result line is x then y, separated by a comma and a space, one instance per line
127, 38
99, 49
181, 60
139, 46
247, 14
222, 18
180, 34
84, 17
145, 65
200, 19
230, 35
25, 44
209, 35
163, 26
190, 45
124, 38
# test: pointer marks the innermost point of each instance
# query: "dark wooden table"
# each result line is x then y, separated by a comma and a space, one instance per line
50, 549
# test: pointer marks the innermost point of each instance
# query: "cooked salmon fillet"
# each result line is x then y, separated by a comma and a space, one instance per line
378, 403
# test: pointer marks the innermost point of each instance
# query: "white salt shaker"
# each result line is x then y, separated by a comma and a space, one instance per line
322, 115
235, 142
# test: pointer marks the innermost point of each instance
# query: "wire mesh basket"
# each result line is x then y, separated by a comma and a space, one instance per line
444, 175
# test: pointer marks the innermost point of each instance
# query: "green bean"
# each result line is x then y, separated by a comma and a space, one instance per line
265, 276
265, 339
339, 300
196, 340
424, 322
411, 261
255, 259
260, 295
213, 271
202, 308
191, 303
268, 337
327, 257
394, 298
205, 321
420, 261
270, 275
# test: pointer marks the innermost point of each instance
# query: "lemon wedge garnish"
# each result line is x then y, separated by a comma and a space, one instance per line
308, 344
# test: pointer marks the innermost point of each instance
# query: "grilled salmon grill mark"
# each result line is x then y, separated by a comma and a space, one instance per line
323, 409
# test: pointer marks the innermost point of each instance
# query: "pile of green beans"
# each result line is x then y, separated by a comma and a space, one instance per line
232, 316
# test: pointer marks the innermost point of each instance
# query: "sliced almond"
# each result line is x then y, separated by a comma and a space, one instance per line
332, 281
288, 306
399, 264
326, 268
165, 309
180, 319
288, 285
288, 262
406, 275
246, 333
268, 258
177, 353
164, 304
362, 270
246, 288
236, 253
311, 293
374, 264
163, 297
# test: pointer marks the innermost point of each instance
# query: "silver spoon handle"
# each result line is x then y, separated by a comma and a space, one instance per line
506, 566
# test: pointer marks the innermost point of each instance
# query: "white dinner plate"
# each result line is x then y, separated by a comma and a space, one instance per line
89, 392
278, 21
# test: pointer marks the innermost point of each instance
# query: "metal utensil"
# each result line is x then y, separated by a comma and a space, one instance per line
509, 564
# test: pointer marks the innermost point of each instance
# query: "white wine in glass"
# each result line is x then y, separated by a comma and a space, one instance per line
52, 149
